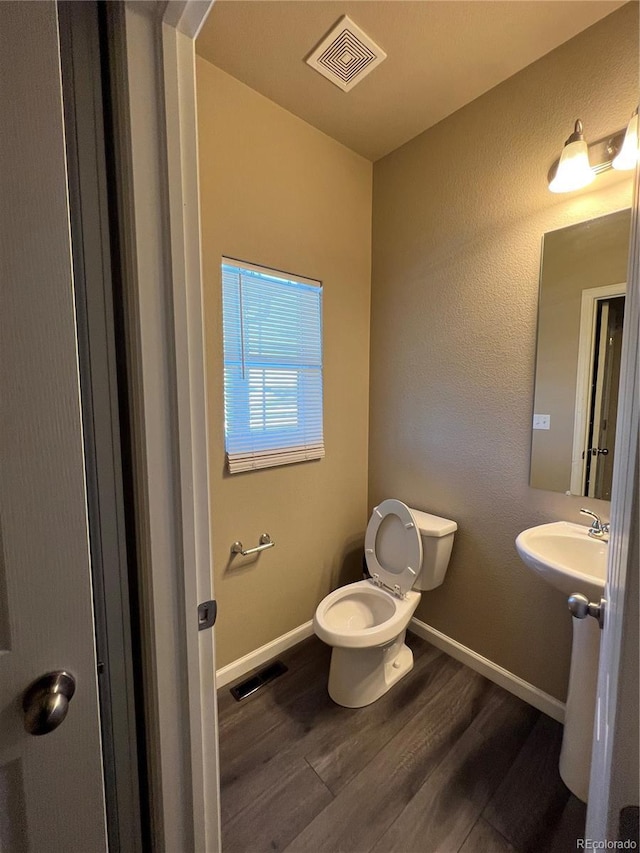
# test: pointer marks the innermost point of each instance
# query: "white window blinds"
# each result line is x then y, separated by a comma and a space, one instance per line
272, 367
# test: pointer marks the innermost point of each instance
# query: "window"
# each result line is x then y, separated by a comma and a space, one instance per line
272, 326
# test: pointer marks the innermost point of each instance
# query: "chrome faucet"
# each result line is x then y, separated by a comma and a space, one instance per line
599, 529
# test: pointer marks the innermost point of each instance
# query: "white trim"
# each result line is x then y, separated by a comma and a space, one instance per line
188, 326
549, 705
156, 144
241, 666
137, 130
584, 374
520, 688
187, 16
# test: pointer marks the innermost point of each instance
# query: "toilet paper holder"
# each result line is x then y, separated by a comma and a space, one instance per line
265, 542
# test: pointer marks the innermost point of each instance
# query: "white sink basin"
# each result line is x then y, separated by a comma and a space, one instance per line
566, 557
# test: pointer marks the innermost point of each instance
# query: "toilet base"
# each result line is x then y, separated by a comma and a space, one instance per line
357, 677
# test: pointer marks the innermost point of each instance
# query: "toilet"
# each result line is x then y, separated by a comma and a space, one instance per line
365, 622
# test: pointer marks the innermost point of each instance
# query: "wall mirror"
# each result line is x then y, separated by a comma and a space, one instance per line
580, 319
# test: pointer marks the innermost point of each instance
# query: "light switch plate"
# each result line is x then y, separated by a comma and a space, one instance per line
542, 421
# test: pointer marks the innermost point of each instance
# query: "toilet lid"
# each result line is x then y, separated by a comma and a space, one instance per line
393, 546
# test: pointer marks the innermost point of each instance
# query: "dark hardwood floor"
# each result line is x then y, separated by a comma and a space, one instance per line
446, 761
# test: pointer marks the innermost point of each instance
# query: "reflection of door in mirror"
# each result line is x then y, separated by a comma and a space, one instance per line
603, 403
596, 399
580, 315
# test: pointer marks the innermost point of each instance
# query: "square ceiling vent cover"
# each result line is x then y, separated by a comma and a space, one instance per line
346, 55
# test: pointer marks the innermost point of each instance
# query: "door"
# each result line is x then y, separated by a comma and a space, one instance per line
51, 788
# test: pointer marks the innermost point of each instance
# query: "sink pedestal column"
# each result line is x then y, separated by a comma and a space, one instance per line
575, 757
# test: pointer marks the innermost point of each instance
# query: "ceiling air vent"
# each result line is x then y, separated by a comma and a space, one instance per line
346, 55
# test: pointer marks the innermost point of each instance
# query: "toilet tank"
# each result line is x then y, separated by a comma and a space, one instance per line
437, 541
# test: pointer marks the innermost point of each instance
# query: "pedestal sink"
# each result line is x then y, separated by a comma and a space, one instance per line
572, 561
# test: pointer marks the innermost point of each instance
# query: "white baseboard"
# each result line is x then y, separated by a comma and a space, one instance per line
240, 667
522, 689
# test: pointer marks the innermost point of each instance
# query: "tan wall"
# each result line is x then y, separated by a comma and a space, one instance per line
277, 192
592, 254
459, 213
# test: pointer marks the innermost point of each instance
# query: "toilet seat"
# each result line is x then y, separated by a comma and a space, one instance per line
393, 528
362, 616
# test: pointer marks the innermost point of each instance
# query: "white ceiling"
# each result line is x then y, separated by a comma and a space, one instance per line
441, 54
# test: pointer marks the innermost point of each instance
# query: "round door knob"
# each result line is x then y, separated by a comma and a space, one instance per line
45, 702
581, 607
578, 605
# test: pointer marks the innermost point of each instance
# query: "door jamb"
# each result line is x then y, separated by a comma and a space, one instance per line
79, 40
152, 48
178, 45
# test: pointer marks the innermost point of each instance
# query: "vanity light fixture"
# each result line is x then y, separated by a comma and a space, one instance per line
574, 170
627, 156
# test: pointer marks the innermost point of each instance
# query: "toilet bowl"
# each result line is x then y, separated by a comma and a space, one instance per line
365, 622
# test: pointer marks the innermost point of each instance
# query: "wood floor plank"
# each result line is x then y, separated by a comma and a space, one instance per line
246, 722
278, 813
570, 826
314, 725
305, 662
247, 769
310, 656
528, 804
442, 813
483, 838
308, 668
370, 803
439, 727
341, 752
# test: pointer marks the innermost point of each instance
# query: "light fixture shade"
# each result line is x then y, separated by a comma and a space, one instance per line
573, 170
627, 157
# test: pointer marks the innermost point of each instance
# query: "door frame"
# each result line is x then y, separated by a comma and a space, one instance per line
152, 69
154, 46
96, 326
589, 301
